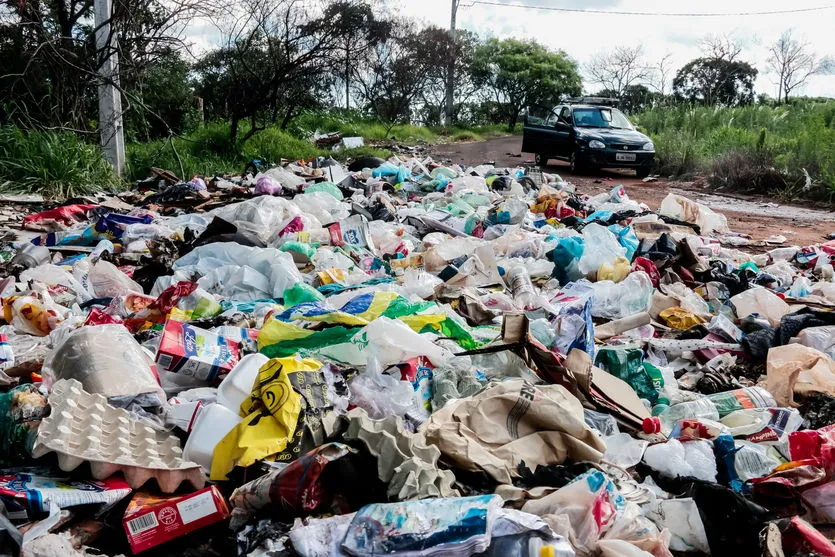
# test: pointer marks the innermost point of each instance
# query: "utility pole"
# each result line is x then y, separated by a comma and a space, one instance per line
450, 75
110, 99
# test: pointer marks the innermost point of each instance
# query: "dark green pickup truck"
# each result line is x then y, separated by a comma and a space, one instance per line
588, 136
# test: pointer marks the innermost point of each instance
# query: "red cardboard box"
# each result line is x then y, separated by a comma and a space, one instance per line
151, 520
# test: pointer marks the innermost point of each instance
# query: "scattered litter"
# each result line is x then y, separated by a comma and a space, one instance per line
404, 357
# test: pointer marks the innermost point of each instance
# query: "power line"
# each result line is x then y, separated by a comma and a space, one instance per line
654, 14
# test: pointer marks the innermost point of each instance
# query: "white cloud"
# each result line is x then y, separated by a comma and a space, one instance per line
582, 35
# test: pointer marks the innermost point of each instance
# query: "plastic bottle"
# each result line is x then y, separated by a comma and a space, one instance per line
520, 285
666, 419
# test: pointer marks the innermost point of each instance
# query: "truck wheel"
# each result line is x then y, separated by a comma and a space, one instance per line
642, 171
576, 166
540, 159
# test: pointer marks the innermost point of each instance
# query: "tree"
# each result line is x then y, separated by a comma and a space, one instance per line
516, 74
49, 64
634, 98
618, 69
361, 31
398, 70
793, 63
715, 81
459, 53
660, 74
275, 62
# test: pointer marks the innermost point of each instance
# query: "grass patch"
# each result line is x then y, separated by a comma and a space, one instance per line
208, 152
753, 148
56, 165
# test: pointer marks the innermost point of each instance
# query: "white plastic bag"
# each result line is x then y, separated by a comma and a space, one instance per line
618, 300
681, 208
601, 246
108, 281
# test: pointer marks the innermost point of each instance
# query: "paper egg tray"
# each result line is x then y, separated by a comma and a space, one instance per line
404, 460
83, 427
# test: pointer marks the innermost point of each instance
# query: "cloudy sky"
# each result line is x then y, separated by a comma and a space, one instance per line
583, 34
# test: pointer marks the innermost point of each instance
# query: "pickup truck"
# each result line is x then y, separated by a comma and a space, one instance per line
588, 136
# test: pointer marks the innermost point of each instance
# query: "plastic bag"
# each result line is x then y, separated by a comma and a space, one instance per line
617, 300
601, 246
445, 526
688, 459
381, 395
615, 271
267, 185
108, 281
708, 221
106, 360
627, 238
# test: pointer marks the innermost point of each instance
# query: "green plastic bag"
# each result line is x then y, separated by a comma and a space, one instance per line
301, 292
628, 364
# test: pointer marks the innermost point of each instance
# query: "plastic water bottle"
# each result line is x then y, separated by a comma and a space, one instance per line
666, 420
521, 286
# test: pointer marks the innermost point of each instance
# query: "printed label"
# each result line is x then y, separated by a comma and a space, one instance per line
197, 507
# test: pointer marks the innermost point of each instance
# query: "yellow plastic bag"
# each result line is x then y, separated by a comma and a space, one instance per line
615, 271
271, 416
680, 318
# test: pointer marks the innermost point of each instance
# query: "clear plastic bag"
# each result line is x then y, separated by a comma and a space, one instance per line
108, 281
618, 300
106, 360
379, 394
601, 246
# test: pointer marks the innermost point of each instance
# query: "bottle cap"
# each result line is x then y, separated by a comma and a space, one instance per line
547, 551
651, 425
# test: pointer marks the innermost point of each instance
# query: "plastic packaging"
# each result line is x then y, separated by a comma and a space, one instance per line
106, 360
237, 385
739, 399
456, 526
601, 246
520, 285
212, 425
688, 459
666, 420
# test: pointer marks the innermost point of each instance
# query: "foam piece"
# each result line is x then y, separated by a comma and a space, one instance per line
83, 427
404, 460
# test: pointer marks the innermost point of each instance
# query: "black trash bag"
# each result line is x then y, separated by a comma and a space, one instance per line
365, 162
757, 344
552, 475
817, 409
732, 522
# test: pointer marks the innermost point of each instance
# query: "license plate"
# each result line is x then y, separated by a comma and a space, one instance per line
626, 157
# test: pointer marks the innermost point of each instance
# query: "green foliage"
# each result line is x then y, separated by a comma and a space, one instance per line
715, 81
524, 73
778, 145
56, 165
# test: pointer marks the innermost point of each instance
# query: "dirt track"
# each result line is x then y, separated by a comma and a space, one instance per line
758, 216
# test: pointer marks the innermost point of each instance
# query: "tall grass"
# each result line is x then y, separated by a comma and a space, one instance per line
784, 142
209, 152
57, 165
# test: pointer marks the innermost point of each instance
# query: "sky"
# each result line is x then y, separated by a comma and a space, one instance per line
582, 35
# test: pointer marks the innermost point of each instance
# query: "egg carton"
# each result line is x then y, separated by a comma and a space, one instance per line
404, 461
83, 427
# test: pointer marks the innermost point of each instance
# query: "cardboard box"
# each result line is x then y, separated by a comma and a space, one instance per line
152, 520
196, 352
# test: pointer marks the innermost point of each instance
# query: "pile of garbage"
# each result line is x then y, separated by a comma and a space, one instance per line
409, 358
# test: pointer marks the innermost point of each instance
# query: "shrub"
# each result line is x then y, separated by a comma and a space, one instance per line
54, 164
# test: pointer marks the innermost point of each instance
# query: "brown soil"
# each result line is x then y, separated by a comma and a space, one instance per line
757, 216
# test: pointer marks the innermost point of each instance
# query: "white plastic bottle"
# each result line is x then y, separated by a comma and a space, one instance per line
520, 285
664, 422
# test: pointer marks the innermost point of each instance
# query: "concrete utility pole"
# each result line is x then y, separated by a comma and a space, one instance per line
110, 99
450, 76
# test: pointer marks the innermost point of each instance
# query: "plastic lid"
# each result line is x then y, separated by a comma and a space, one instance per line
651, 425
547, 551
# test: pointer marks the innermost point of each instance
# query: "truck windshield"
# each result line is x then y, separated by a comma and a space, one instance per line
601, 118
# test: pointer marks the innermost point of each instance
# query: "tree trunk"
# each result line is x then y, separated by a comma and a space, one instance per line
347, 78
233, 128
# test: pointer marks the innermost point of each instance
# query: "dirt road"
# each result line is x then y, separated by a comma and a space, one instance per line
758, 216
